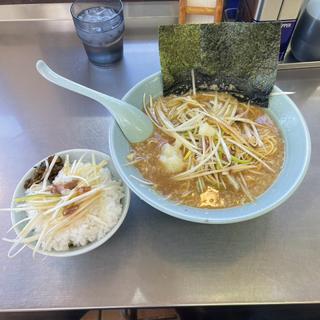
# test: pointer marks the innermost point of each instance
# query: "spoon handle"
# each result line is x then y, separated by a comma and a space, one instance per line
135, 124
61, 81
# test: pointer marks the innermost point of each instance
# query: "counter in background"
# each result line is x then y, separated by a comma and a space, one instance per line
154, 259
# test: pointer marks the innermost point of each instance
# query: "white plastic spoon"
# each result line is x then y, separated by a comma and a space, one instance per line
135, 124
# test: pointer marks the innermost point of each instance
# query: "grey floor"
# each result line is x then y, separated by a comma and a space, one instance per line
282, 312
56, 315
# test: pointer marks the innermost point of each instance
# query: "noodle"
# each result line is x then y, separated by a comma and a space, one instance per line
229, 152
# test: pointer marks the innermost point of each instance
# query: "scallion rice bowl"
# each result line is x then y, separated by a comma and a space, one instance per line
78, 210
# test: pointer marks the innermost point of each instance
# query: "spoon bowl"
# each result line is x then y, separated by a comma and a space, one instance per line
135, 124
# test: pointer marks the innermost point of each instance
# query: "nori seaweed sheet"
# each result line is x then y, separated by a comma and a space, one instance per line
237, 57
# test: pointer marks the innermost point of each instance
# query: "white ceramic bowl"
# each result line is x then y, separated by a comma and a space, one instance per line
74, 154
297, 156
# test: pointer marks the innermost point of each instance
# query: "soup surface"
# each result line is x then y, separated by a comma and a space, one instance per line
209, 150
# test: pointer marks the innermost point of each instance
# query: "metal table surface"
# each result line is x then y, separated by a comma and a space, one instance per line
154, 259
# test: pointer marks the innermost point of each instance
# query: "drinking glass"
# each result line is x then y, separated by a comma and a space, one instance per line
305, 43
100, 26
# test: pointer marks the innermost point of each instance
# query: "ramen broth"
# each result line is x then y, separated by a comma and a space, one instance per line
230, 177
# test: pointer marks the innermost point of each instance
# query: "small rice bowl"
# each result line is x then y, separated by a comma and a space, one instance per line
102, 218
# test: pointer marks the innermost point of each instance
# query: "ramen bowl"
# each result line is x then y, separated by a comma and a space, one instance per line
296, 138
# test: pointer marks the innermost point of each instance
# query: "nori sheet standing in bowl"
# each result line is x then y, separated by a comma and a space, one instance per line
237, 57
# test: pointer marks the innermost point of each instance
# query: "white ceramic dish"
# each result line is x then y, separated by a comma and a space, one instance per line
74, 154
297, 156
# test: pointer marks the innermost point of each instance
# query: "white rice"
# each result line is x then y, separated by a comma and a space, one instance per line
100, 219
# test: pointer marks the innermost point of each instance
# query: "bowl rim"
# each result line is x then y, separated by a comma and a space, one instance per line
212, 220
92, 245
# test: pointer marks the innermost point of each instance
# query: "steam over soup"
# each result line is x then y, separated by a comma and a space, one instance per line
209, 150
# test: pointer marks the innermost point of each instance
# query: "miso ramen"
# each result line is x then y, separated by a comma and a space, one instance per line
209, 150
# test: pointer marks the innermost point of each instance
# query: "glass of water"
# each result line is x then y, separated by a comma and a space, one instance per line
100, 26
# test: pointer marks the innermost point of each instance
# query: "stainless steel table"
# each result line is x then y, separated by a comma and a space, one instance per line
154, 259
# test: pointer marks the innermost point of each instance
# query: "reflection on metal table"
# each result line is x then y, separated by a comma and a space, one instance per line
154, 259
